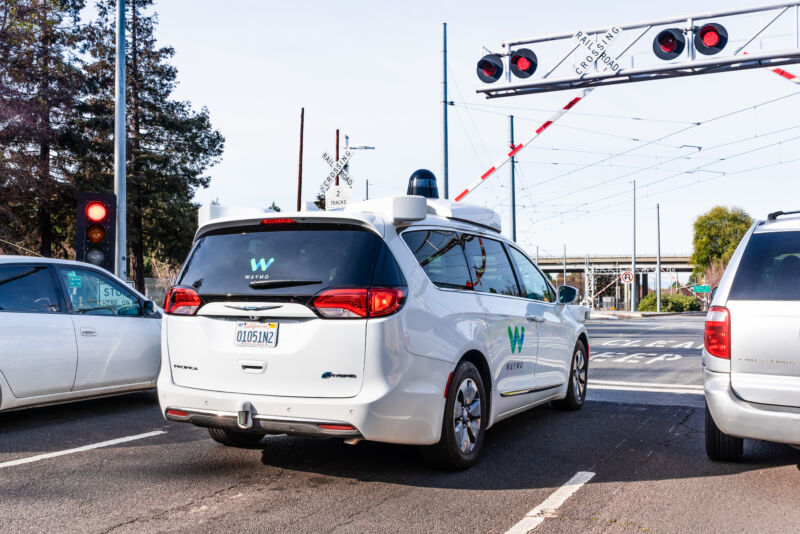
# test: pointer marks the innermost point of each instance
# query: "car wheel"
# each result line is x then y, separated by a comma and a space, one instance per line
464, 425
721, 446
232, 438
578, 377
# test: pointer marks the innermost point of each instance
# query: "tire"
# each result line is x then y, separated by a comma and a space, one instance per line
720, 446
232, 438
463, 430
578, 379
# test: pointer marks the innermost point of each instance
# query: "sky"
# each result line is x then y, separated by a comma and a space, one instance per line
373, 69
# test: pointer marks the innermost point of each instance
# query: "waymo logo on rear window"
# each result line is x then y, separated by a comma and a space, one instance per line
262, 262
515, 338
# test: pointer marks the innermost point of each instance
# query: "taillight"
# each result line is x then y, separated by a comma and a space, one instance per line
182, 301
353, 303
384, 300
717, 337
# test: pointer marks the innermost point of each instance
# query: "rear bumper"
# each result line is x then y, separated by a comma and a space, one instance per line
260, 424
743, 419
406, 406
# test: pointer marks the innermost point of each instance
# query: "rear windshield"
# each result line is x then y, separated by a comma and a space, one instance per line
770, 268
230, 263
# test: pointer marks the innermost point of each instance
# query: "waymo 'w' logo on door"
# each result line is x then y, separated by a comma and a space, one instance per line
264, 264
516, 337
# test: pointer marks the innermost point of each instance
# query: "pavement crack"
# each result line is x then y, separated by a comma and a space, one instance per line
189, 507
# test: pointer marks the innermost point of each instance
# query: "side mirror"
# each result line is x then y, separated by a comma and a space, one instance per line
567, 294
149, 307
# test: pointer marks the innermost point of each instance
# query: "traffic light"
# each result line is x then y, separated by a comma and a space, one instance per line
490, 68
96, 230
669, 43
523, 63
710, 38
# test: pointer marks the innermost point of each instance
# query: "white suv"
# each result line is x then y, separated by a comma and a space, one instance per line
751, 359
400, 320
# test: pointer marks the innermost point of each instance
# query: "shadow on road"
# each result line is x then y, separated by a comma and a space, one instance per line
621, 442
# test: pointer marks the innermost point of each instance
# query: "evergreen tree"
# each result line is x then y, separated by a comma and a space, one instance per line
40, 84
169, 144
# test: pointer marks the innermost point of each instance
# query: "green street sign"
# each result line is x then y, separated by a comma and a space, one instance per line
702, 289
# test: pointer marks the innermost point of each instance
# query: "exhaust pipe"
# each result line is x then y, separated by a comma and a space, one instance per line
244, 415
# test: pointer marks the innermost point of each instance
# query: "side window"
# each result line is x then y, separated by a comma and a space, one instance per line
534, 285
27, 288
441, 256
92, 293
490, 267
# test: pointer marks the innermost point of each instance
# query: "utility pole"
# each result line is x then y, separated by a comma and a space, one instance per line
537, 254
337, 154
367, 198
300, 164
633, 258
513, 188
444, 111
121, 249
658, 258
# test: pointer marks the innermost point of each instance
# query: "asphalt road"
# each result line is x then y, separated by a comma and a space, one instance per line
640, 434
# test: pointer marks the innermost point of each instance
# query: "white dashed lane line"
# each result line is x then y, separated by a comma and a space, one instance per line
99, 445
685, 389
549, 507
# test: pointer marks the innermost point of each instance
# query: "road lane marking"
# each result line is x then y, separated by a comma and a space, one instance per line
685, 389
56, 454
548, 508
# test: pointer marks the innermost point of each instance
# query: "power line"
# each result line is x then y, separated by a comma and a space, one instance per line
655, 167
671, 134
597, 115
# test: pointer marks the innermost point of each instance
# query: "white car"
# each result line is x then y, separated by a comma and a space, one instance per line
399, 320
751, 357
69, 331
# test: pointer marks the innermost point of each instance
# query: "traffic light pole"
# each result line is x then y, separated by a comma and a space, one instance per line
658, 258
633, 258
121, 247
513, 186
445, 170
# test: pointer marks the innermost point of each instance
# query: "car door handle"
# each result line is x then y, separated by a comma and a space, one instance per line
535, 318
88, 332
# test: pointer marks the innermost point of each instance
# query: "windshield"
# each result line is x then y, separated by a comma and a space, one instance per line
236, 261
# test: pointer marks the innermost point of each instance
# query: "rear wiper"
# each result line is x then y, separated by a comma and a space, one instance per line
269, 284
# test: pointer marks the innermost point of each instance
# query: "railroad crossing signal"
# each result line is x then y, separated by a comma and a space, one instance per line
589, 58
96, 229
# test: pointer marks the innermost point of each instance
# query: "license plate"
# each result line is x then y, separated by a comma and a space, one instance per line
256, 334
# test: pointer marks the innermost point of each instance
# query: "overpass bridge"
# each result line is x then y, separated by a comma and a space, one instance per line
591, 267
580, 264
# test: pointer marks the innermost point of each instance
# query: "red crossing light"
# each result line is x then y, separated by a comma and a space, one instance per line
523, 63
490, 68
710, 39
669, 44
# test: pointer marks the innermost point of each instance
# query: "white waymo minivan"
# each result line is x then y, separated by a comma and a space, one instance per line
403, 320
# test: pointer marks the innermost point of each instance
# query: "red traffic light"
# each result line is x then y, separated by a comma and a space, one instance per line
96, 211
710, 38
490, 68
669, 44
523, 63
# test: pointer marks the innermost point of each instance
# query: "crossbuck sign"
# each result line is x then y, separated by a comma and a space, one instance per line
337, 167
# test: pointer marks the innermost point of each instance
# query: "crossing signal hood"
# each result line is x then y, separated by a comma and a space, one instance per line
96, 229
523, 63
669, 44
490, 68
